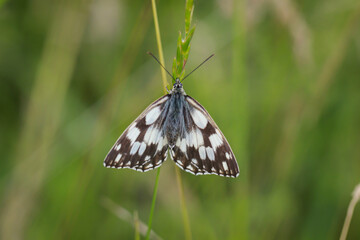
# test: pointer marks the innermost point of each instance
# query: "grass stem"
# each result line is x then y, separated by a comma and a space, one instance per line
136, 226
355, 199
163, 77
158, 41
153, 204
183, 205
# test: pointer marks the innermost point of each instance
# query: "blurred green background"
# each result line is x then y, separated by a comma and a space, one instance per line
284, 87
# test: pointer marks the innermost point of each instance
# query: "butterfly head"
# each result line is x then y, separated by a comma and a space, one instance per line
178, 87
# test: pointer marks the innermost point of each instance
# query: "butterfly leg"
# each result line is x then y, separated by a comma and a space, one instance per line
168, 91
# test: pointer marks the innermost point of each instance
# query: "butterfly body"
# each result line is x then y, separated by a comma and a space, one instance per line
174, 109
179, 124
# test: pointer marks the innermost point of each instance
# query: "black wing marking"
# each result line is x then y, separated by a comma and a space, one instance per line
143, 145
202, 148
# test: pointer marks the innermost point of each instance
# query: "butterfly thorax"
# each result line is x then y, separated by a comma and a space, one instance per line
175, 113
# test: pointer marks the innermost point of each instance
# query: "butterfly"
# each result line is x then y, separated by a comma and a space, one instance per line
178, 124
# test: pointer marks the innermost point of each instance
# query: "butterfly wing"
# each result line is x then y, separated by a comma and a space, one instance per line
201, 147
143, 145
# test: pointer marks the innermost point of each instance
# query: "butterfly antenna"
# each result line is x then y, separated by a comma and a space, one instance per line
198, 66
161, 64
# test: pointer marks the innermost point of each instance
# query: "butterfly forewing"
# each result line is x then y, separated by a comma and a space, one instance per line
202, 148
143, 145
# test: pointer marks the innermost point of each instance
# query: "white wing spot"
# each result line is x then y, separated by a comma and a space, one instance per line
215, 141
148, 134
194, 161
133, 134
191, 168
152, 115
225, 166
147, 157
199, 118
159, 145
117, 148
154, 136
191, 139
202, 152
142, 148
118, 158
183, 145
178, 142
227, 155
150, 165
210, 153
199, 137
134, 148
162, 142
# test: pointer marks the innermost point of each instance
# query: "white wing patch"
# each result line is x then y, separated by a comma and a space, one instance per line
132, 134
199, 138
199, 118
118, 157
134, 148
202, 152
117, 148
215, 141
152, 115
210, 153
142, 148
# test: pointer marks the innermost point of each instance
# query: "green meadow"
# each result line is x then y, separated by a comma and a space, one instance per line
283, 86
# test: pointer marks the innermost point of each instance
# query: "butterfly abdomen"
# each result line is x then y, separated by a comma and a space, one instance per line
174, 118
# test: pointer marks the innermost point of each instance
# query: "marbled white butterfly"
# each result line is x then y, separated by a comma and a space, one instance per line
179, 124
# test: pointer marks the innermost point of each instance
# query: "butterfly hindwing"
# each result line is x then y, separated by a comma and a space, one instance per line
143, 145
202, 148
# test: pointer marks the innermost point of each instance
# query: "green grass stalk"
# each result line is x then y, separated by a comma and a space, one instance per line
163, 77
182, 54
137, 226
355, 199
158, 41
183, 44
184, 211
153, 204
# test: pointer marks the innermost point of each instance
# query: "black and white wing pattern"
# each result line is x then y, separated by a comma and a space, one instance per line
201, 148
143, 145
